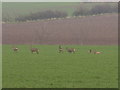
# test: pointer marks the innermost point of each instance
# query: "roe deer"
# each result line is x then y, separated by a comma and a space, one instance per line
71, 50
60, 49
15, 49
35, 50
90, 51
97, 52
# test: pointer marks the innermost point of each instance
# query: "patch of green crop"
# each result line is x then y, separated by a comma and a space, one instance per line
50, 69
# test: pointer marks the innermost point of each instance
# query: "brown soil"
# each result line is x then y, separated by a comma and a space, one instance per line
90, 30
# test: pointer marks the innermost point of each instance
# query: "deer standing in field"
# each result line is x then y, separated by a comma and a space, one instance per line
15, 49
90, 51
71, 50
34, 50
94, 52
60, 49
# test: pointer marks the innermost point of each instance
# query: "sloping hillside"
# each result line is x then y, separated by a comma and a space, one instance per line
90, 30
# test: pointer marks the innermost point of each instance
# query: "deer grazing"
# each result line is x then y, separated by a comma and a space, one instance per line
71, 50
35, 50
60, 49
94, 52
15, 49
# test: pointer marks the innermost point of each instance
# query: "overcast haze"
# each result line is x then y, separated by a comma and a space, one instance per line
60, 0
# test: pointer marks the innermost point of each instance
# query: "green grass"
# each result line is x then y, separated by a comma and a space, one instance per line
51, 69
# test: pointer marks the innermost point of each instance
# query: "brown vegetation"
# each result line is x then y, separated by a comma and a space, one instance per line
90, 30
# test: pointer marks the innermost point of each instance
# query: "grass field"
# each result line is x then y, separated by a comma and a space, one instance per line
54, 70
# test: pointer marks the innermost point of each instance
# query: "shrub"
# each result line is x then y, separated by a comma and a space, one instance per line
105, 8
81, 11
42, 15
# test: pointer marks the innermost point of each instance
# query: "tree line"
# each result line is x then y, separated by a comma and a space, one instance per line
81, 11
42, 15
98, 9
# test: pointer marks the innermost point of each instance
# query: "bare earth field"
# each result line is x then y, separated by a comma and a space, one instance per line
90, 30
